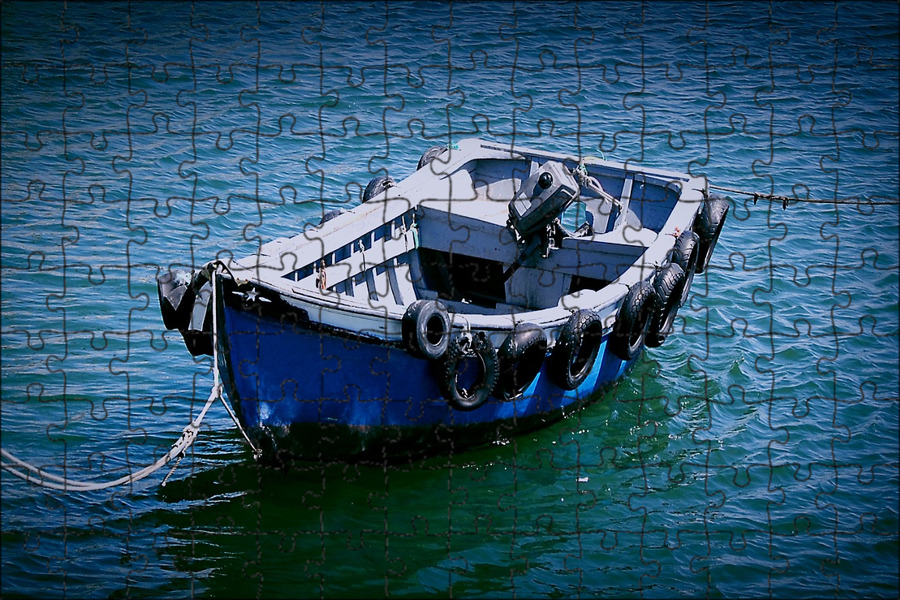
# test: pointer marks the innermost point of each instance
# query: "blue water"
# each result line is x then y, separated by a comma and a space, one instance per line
754, 454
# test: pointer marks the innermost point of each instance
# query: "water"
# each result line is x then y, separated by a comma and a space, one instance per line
754, 454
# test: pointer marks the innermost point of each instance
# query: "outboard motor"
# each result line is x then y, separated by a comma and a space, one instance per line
535, 209
542, 198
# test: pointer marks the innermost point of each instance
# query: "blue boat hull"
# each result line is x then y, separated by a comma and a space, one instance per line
303, 390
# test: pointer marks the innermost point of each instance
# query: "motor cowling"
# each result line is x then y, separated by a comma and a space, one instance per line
542, 198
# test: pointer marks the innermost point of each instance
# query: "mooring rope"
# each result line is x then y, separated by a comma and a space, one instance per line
33, 474
788, 200
257, 453
49, 480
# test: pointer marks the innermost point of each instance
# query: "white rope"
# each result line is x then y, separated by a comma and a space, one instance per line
787, 200
49, 480
33, 474
215, 330
594, 185
256, 452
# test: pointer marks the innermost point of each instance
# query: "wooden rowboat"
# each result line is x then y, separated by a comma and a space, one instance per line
492, 291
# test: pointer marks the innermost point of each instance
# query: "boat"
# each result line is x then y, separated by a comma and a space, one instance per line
494, 290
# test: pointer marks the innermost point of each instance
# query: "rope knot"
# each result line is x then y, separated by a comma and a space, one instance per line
188, 435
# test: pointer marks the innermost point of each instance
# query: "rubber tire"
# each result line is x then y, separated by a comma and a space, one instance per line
331, 214
175, 301
472, 398
426, 329
200, 342
685, 253
521, 357
576, 350
430, 155
633, 321
669, 288
708, 225
378, 185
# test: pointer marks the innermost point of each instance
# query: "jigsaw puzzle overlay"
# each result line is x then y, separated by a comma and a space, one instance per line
754, 454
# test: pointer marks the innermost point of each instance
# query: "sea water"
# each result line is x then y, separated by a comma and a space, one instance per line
754, 454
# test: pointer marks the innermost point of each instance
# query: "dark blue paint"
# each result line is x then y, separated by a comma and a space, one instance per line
284, 376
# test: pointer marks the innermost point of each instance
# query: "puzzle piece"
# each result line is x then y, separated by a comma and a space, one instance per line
754, 453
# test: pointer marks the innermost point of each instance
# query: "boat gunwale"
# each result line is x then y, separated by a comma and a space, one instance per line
387, 317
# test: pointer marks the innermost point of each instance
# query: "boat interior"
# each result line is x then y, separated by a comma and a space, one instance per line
456, 242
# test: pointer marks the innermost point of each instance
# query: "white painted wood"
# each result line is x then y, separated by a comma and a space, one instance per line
461, 206
625, 200
402, 285
358, 262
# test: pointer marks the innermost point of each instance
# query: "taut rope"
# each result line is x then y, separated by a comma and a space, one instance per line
787, 200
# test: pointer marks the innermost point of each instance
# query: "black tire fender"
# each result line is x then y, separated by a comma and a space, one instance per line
175, 301
377, 186
460, 350
429, 155
426, 329
197, 332
576, 350
331, 214
685, 254
708, 225
521, 357
200, 342
669, 288
633, 320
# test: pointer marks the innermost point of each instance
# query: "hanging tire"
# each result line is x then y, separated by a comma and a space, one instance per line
197, 332
469, 397
708, 225
521, 357
576, 349
175, 300
199, 342
633, 321
426, 329
377, 186
430, 155
669, 288
685, 254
